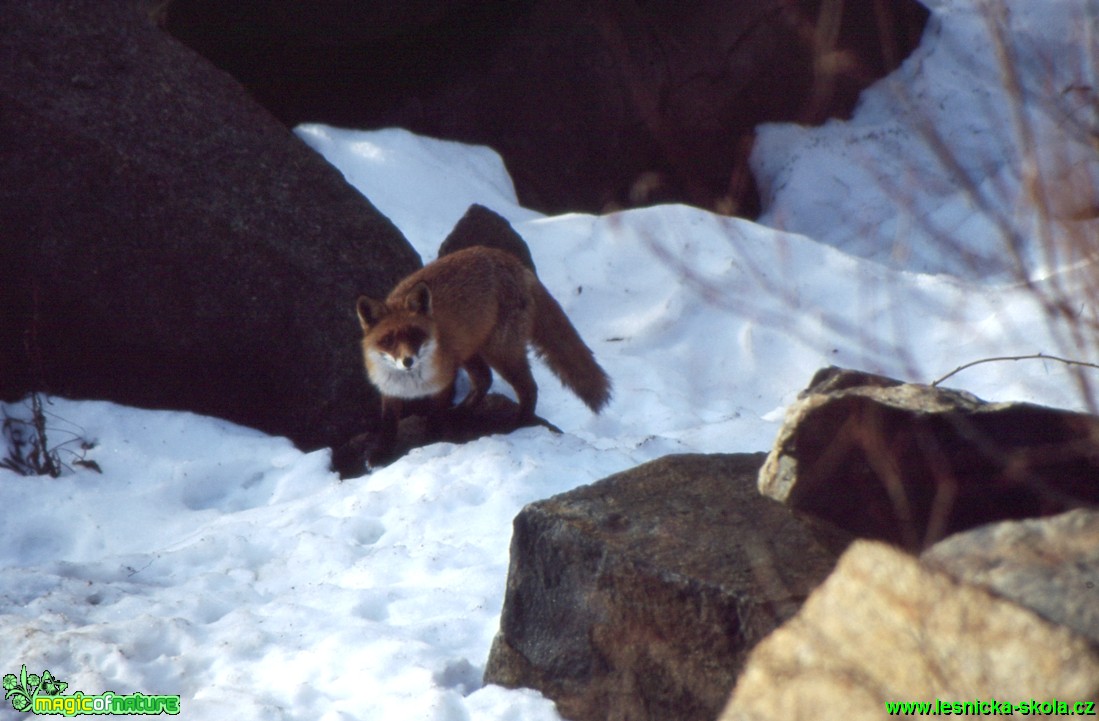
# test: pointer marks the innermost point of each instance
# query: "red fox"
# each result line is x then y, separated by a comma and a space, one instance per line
478, 309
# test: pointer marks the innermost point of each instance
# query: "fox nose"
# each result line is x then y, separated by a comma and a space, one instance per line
407, 362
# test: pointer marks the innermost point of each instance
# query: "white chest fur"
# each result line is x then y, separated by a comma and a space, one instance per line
418, 380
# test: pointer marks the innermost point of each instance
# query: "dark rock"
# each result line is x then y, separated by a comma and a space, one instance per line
911, 464
591, 104
833, 379
494, 414
481, 226
885, 628
1049, 565
167, 243
639, 596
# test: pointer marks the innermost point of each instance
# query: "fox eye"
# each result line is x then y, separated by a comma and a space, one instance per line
387, 340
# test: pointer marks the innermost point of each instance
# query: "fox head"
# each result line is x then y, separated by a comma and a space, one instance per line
399, 345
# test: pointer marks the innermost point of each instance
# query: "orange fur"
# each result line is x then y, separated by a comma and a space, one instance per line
477, 308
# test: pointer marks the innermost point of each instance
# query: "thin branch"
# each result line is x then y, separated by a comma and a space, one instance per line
1032, 356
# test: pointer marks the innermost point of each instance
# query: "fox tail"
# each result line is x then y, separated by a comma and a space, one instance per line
557, 342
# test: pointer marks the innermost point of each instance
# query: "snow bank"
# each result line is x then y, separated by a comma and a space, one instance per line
216, 563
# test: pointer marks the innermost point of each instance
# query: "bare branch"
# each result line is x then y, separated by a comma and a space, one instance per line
1032, 356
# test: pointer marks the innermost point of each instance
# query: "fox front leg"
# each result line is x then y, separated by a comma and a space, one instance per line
384, 445
480, 379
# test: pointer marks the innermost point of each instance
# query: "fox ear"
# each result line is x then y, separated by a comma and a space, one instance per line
370, 311
418, 299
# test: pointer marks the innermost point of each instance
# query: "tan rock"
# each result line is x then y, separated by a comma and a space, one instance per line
885, 628
1049, 565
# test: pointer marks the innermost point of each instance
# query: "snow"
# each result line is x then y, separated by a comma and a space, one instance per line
942, 151
223, 565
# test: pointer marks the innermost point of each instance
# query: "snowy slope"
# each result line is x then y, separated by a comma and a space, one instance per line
941, 168
223, 565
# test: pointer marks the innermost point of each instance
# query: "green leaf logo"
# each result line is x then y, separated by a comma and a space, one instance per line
21, 690
51, 686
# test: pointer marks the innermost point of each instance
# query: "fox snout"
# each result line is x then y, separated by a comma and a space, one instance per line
401, 359
405, 370
404, 360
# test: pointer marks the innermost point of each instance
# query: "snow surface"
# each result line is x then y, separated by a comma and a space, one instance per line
214, 562
940, 154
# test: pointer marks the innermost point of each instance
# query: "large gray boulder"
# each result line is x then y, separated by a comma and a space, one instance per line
639, 597
166, 242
